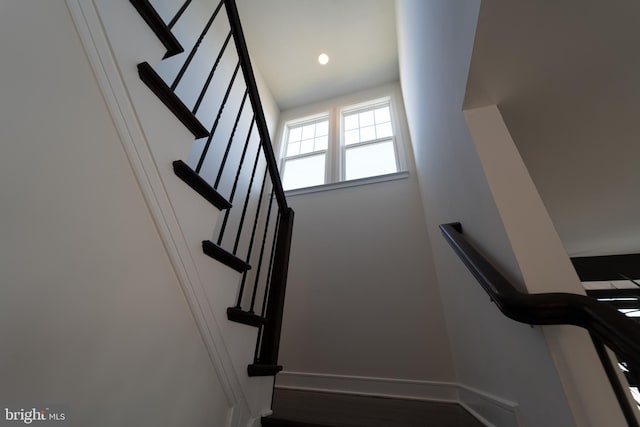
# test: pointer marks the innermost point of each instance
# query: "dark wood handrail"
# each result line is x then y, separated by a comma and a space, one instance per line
604, 322
254, 98
266, 359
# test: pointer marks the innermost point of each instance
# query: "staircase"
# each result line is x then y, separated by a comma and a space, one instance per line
184, 92
266, 245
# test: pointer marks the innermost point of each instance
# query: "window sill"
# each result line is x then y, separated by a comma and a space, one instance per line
345, 184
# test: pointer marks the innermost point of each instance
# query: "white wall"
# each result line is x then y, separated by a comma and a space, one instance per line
91, 311
583, 162
566, 85
490, 352
362, 299
544, 266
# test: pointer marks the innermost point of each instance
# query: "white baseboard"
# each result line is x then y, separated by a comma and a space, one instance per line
369, 386
490, 410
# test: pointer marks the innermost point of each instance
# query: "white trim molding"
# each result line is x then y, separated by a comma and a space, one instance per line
345, 184
369, 386
490, 410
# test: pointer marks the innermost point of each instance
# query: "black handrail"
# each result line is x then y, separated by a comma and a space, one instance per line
268, 344
254, 98
607, 324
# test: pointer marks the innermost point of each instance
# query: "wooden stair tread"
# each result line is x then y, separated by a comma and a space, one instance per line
238, 315
202, 187
159, 28
263, 370
224, 256
170, 99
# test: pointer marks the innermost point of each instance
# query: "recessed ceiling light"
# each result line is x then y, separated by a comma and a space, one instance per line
323, 59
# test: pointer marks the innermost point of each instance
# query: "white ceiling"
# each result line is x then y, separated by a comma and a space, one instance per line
566, 77
285, 38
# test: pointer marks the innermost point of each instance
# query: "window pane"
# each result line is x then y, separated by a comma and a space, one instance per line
370, 160
366, 118
306, 146
304, 172
308, 131
322, 128
384, 130
351, 136
367, 133
382, 115
321, 143
293, 149
294, 134
351, 121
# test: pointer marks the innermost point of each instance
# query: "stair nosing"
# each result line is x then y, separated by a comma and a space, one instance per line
158, 26
168, 97
263, 370
199, 185
224, 256
238, 315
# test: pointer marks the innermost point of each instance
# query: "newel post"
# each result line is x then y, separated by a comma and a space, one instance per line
275, 303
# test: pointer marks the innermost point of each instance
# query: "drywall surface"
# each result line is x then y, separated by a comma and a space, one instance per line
491, 353
565, 80
91, 312
286, 36
269, 106
362, 299
361, 295
544, 265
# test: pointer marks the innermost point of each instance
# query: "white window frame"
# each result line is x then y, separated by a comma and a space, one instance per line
285, 139
363, 107
335, 110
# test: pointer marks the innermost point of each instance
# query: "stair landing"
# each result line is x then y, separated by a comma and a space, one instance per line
295, 408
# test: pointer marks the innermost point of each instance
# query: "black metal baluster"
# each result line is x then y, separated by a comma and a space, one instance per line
251, 240
213, 70
256, 352
179, 14
244, 212
246, 200
235, 181
271, 258
215, 123
194, 49
618, 390
254, 97
226, 151
263, 310
261, 256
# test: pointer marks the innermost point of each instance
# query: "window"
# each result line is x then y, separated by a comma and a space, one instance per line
342, 144
305, 154
369, 148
